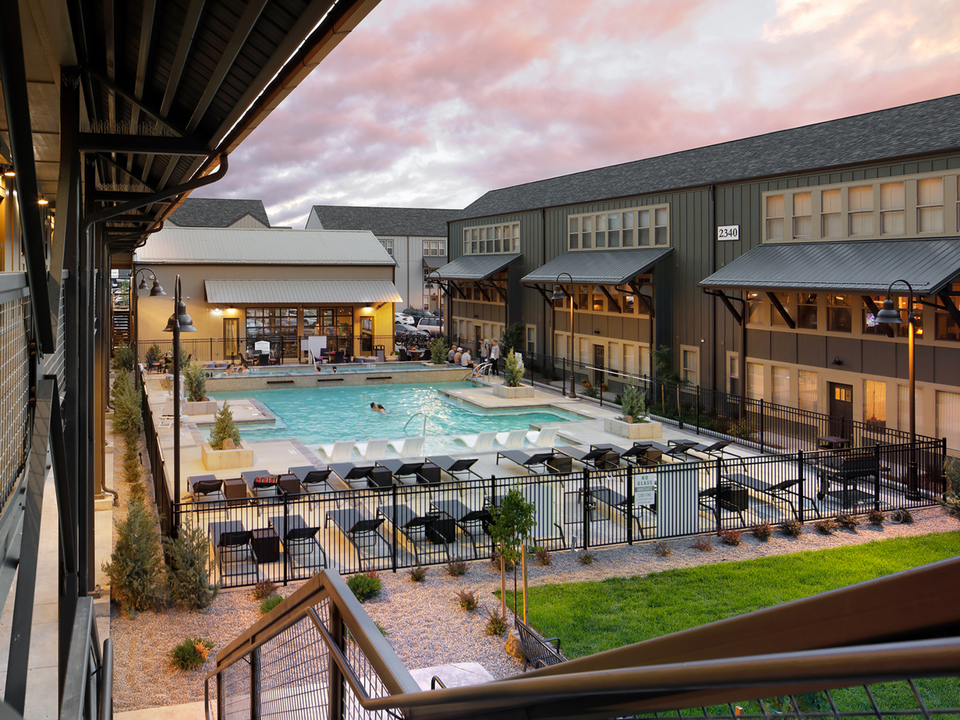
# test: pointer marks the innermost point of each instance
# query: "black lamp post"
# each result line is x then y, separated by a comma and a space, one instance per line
155, 291
178, 322
889, 314
559, 294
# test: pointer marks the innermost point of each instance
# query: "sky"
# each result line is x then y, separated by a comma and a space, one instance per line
432, 103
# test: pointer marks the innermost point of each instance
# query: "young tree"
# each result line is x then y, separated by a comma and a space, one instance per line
195, 381
512, 370
513, 521
224, 427
512, 338
634, 405
135, 566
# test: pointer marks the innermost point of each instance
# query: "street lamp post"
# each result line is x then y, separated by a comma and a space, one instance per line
559, 294
891, 315
155, 291
178, 322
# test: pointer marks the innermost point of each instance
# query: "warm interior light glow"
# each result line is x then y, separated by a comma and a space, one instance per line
43, 201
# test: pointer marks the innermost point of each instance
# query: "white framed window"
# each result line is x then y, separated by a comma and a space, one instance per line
690, 364
733, 373
860, 202
645, 360
875, 402
615, 356
754, 308
636, 227
630, 359
531, 340
807, 390
930, 205
892, 208
755, 381
434, 247
586, 357
774, 210
831, 218
501, 238
948, 418
388, 246
781, 385
802, 216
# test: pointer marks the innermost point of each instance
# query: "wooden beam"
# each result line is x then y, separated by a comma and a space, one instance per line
611, 298
782, 310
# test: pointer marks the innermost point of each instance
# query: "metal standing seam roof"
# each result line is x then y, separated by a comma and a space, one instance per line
863, 266
604, 267
269, 246
293, 292
474, 267
434, 261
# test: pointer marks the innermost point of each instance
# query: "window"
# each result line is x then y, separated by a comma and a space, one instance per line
643, 223
487, 239
903, 406
586, 232
574, 233
560, 343
645, 360
627, 228
630, 359
388, 246
781, 385
838, 313
614, 355
860, 200
690, 370
872, 327
733, 373
946, 326
930, 205
613, 230
754, 309
774, 209
755, 381
531, 339
434, 247
875, 403
597, 305
807, 311
831, 222
807, 390
892, 209
786, 300
629, 220
662, 219
948, 418
802, 217
275, 325
600, 240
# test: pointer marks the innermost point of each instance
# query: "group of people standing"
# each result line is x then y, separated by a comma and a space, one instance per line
489, 351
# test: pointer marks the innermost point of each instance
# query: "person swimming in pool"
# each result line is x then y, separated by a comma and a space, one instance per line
377, 408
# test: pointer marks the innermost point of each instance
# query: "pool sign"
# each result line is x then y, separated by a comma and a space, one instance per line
645, 489
728, 232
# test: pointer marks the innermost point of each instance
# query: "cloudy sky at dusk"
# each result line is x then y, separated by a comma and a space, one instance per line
431, 103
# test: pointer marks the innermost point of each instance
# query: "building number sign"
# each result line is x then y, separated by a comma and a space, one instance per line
728, 232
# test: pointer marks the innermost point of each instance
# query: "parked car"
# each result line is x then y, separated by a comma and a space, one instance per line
417, 313
401, 329
403, 318
432, 325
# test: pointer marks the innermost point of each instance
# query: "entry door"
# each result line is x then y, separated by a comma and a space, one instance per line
231, 337
598, 364
841, 410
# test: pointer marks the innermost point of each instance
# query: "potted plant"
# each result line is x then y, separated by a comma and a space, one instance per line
195, 385
634, 423
512, 377
225, 432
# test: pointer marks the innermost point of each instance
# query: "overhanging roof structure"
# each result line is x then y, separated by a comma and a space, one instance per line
294, 292
863, 266
474, 267
602, 267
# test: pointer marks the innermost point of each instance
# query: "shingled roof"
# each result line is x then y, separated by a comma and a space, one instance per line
217, 212
922, 127
406, 222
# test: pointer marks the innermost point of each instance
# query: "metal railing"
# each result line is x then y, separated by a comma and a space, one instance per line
88, 687
582, 508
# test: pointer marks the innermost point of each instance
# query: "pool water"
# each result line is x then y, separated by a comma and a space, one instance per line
323, 415
348, 368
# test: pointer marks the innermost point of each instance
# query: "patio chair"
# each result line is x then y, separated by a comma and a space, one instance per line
543, 437
360, 531
233, 549
546, 517
353, 474
480, 442
679, 449
512, 439
456, 466
314, 481
207, 493
412, 526
300, 542
472, 522
593, 458
527, 458
712, 450
339, 451
401, 468
726, 498
260, 483
373, 449
409, 446
621, 503
785, 491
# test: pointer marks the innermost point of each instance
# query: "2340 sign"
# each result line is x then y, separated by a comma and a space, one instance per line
728, 232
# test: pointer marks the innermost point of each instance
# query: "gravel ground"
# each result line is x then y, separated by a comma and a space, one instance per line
426, 626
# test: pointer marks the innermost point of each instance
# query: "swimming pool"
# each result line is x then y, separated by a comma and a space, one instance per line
323, 415
326, 369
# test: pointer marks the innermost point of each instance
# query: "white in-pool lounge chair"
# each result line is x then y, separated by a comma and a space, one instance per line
340, 451
373, 449
543, 437
409, 446
479, 442
512, 439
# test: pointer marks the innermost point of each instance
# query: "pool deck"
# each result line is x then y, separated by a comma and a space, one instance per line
277, 456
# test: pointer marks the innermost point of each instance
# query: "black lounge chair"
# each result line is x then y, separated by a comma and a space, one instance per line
456, 466
679, 449
361, 531
300, 542
362, 475
527, 458
597, 457
207, 493
725, 498
402, 468
641, 454
233, 548
714, 450
784, 491
260, 483
414, 527
471, 522
622, 504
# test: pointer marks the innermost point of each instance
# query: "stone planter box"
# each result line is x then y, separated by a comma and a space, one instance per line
207, 407
513, 393
225, 459
633, 431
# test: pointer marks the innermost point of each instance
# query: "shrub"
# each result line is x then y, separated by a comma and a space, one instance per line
126, 400
512, 370
224, 427
662, 549
585, 558
456, 568
123, 359
418, 574
826, 526
195, 381
365, 585
703, 544
729, 537
634, 405
849, 521
951, 498
468, 601
438, 351
264, 589
188, 577
131, 462
742, 429
270, 603
154, 354
542, 555
903, 515
135, 565
876, 517
496, 623
762, 531
495, 559
512, 338
381, 628
792, 528
191, 653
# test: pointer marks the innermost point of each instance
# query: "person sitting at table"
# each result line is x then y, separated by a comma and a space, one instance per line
458, 356
465, 359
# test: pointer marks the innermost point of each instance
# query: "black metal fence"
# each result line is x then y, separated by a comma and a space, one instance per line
286, 536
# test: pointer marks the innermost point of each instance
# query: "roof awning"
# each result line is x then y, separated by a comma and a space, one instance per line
473, 267
602, 267
434, 261
299, 292
862, 266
